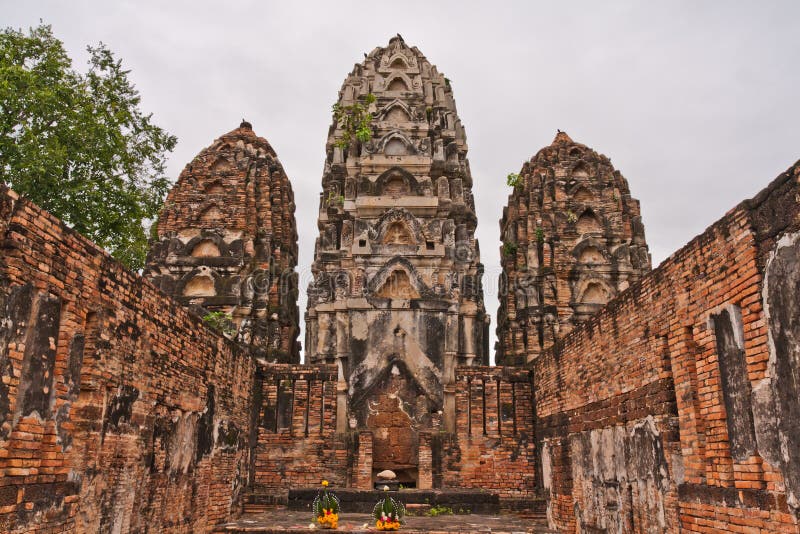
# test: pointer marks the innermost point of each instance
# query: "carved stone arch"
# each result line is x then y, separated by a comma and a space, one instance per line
392, 176
387, 274
396, 111
395, 216
580, 170
396, 143
581, 194
593, 290
398, 61
215, 187
588, 222
200, 282
221, 165
203, 245
209, 213
591, 251
398, 82
364, 385
622, 254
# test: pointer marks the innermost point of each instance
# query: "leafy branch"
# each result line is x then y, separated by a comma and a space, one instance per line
221, 322
354, 121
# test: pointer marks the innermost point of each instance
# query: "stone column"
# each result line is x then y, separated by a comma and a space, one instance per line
449, 371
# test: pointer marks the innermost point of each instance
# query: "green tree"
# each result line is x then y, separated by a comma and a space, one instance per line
77, 144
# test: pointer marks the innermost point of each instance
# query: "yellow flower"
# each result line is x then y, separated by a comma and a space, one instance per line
325, 483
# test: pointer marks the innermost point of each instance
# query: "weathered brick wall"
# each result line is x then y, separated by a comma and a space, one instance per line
493, 446
119, 411
677, 406
297, 445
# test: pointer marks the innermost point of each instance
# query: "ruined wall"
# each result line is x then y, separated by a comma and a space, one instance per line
119, 411
493, 446
572, 239
297, 445
227, 242
676, 406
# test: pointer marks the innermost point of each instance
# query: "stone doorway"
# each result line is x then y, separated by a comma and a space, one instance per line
395, 411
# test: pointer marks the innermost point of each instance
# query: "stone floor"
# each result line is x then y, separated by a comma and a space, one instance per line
282, 520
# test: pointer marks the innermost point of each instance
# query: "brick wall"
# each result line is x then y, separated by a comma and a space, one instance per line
676, 407
297, 445
493, 446
119, 411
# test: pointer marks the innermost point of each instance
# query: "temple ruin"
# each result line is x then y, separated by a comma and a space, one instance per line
626, 399
227, 243
396, 302
572, 240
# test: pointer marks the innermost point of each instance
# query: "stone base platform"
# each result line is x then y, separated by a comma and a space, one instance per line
281, 521
362, 501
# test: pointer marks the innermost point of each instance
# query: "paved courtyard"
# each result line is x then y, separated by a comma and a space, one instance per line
282, 520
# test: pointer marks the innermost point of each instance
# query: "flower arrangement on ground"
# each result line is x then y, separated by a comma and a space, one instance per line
326, 508
388, 513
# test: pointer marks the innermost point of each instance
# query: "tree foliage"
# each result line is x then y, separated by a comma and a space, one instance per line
355, 121
78, 144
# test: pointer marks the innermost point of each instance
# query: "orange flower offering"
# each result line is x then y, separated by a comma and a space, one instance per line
389, 524
328, 519
326, 508
388, 513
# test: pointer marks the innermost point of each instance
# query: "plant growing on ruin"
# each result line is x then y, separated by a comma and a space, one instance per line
539, 234
334, 199
78, 144
221, 322
354, 121
509, 249
571, 217
513, 179
439, 510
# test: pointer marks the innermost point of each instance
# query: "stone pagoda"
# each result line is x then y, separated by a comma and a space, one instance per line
572, 239
227, 242
396, 299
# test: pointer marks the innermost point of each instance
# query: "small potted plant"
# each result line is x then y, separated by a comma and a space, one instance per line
388, 513
326, 508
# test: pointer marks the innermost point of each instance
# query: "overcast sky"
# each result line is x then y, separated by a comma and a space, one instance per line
695, 102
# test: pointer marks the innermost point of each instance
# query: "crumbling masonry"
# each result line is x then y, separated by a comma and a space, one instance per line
572, 239
630, 400
227, 242
396, 302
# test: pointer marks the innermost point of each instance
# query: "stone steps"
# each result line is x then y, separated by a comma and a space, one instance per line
362, 501
281, 520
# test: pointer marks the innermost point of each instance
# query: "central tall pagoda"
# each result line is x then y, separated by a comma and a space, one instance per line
396, 301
